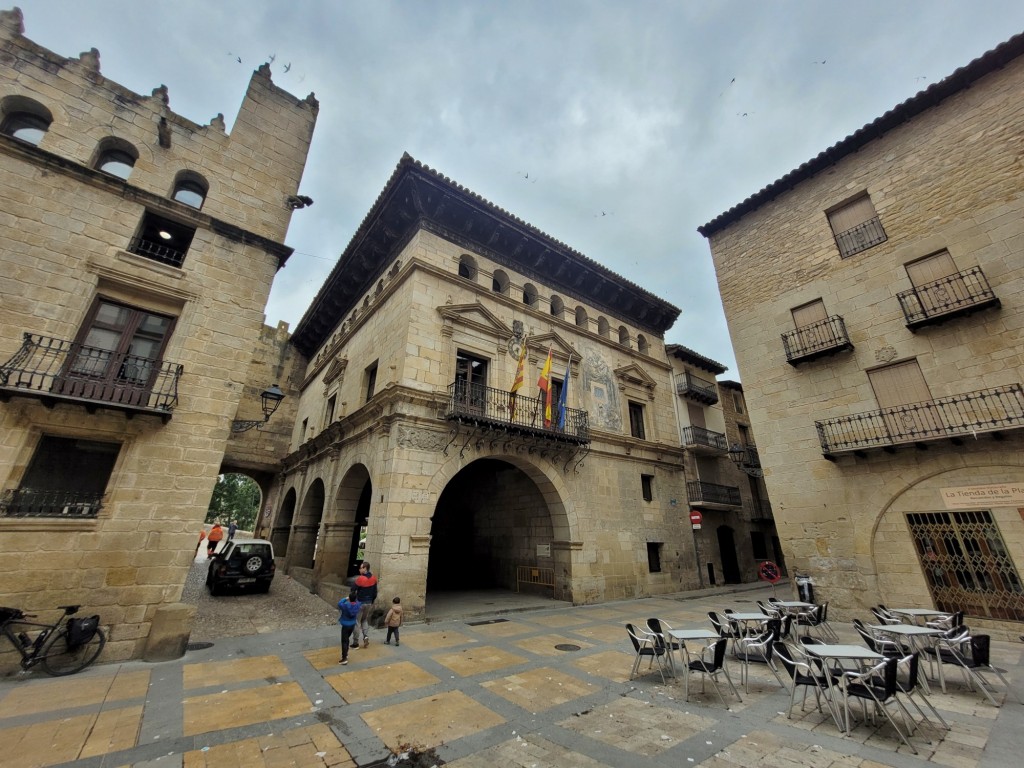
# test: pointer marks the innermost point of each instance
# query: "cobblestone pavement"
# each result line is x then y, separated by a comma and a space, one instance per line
545, 687
288, 606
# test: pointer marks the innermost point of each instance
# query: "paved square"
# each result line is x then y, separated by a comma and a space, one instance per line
431, 721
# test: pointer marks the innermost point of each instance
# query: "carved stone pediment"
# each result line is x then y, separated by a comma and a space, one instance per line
336, 370
475, 316
636, 376
561, 351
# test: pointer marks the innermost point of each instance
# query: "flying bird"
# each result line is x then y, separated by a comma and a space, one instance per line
272, 57
727, 87
287, 66
238, 59
820, 62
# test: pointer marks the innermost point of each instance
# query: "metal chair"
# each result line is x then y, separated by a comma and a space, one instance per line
803, 675
660, 629
646, 646
971, 654
724, 629
952, 621
877, 685
912, 687
711, 669
757, 649
884, 617
811, 619
825, 626
884, 646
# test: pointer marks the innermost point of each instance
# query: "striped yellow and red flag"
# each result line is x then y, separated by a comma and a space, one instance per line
517, 383
544, 382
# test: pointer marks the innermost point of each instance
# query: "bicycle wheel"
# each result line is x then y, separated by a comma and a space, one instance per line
60, 659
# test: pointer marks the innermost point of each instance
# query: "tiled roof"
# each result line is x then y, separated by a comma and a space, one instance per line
418, 197
687, 355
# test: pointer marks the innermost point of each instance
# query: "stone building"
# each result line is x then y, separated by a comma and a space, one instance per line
875, 297
724, 480
407, 439
138, 249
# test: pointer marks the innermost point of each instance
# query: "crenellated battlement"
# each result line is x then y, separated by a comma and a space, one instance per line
250, 173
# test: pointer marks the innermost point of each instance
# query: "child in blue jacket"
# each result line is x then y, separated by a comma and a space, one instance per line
349, 608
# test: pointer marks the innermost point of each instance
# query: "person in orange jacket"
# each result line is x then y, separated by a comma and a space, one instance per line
214, 538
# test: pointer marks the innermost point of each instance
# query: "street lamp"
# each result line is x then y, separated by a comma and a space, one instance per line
746, 458
270, 399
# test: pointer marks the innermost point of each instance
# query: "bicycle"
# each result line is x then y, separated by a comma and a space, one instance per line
63, 648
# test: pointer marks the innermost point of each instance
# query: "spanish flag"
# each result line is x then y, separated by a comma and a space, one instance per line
544, 382
517, 383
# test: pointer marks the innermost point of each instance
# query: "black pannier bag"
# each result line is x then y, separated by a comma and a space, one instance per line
9, 614
81, 631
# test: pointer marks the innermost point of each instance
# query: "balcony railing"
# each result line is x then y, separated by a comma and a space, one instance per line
28, 502
498, 408
711, 493
987, 410
157, 251
761, 511
808, 342
56, 370
861, 237
947, 297
696, 388
704, 440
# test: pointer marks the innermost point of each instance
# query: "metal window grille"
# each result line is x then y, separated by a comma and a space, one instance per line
967, 565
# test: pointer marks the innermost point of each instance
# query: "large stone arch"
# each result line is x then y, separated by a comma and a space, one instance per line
552, 490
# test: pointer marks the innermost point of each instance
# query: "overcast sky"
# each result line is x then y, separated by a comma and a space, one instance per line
615, 127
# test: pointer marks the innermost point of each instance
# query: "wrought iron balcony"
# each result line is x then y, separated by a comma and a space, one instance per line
948, 297
54, 370
861, 237
29, 502
696, 388
712, 494
808, 342
498, 409
761, 511
157, 251
971, 413
700, 440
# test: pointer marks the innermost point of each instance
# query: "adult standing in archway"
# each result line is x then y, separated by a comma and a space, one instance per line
366, 592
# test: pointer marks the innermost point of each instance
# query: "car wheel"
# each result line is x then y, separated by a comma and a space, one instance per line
254, 564
215, 587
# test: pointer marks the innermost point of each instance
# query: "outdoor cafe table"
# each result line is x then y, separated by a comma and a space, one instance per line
916, 636
919, 615
840, 653
682, 635
794, 606
746, 619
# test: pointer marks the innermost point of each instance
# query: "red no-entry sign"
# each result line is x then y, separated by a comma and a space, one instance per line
769, 572
696, 518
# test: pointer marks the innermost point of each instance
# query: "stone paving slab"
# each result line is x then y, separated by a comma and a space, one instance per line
498, 693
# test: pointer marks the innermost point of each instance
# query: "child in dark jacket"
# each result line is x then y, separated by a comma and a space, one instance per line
349, 608
394, 620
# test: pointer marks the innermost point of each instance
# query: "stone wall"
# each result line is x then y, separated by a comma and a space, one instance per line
947, 179
66, 230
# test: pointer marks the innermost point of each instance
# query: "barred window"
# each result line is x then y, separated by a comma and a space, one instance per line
966, 564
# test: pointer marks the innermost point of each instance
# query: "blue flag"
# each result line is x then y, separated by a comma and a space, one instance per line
562, 397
